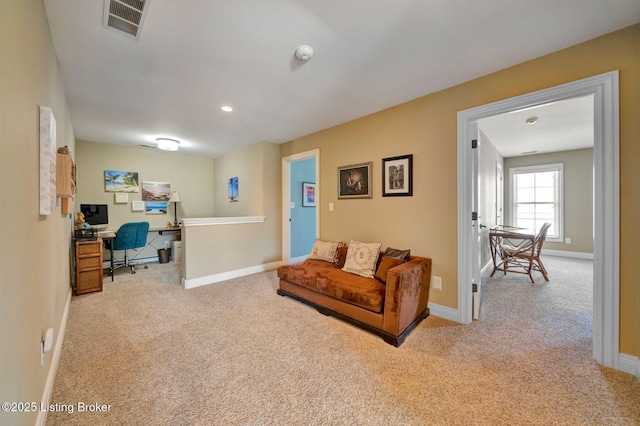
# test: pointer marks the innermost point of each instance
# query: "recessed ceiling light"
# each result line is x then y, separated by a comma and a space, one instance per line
168, 144
531, 120
226, 108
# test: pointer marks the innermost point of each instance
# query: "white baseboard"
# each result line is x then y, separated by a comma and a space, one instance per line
629, 364
55, 361
563, 253
443, 312
210, 279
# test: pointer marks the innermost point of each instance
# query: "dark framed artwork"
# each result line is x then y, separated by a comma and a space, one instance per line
354, 181
308, 194
397, 176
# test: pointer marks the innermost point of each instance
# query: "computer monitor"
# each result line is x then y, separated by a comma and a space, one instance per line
95, 214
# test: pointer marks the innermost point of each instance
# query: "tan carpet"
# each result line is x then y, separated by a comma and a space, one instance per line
236, 353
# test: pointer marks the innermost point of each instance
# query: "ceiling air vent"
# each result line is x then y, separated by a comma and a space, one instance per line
125, 16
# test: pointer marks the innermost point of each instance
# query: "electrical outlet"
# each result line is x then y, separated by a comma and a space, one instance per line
436, 283
166, 244
567, 240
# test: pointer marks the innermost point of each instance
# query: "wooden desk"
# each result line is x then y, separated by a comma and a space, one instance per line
513, 235
165, 229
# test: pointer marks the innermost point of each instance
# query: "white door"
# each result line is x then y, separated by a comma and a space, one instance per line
476, 221
499, 194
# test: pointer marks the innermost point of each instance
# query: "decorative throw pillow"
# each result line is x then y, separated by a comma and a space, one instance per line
324, 250
361, 258
341, 255
398, 254
385, 264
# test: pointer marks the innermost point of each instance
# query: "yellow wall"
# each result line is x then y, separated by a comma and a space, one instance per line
34, 255
426, 128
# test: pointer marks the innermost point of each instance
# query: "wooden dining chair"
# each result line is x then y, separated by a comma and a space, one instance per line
526, 257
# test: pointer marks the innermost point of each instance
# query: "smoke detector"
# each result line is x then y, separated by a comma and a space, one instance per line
304, 52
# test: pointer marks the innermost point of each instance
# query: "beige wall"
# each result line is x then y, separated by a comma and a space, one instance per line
257, 168
578, 195
240, 246
427, 128
34, 256
191, 176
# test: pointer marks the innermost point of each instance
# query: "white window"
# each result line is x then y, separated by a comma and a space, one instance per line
536, 198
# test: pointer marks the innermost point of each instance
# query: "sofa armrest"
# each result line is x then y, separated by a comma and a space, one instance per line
407, 294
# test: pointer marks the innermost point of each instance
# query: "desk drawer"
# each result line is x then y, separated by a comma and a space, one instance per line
89, 262
88, 281
89, 247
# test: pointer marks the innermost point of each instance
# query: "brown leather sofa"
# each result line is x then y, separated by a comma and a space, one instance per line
390, 310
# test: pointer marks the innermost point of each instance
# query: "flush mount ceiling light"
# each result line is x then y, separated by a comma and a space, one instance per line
304, 52
226, 108
531, 120
168, 144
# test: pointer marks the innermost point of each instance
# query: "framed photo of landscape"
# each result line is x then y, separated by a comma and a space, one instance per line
397, 176
119, 181
354, 181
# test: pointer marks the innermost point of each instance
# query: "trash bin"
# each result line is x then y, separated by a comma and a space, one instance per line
163, 255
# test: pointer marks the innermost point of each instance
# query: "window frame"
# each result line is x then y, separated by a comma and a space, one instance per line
559, 202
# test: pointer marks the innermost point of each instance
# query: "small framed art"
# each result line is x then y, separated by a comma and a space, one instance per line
308, 194
121, 198
354, 181
397, 176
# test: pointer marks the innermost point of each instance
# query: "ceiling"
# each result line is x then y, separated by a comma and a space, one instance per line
557, 126
194, 56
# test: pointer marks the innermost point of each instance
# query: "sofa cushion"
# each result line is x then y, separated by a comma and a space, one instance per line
362, 258
325, 250
403, 255
326, 278
386, 263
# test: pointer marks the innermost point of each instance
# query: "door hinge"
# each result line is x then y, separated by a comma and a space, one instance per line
474, 215
474, 143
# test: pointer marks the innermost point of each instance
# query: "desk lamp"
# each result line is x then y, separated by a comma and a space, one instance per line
175, 199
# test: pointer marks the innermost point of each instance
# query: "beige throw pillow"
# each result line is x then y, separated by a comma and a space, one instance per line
361, 258
324, 250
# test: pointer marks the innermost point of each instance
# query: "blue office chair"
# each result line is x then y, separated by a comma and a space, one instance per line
130, 236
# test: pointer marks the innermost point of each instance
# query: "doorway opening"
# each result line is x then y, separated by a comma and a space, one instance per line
300, 222
606, 288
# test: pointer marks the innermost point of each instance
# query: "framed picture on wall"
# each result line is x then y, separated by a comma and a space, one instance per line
397, 176
233, 188
121, 198
137, 206
118, 181
308, 194
156, 207
156, 191
354, 181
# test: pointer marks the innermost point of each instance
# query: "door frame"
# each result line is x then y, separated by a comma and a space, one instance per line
606, 244
286, 198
